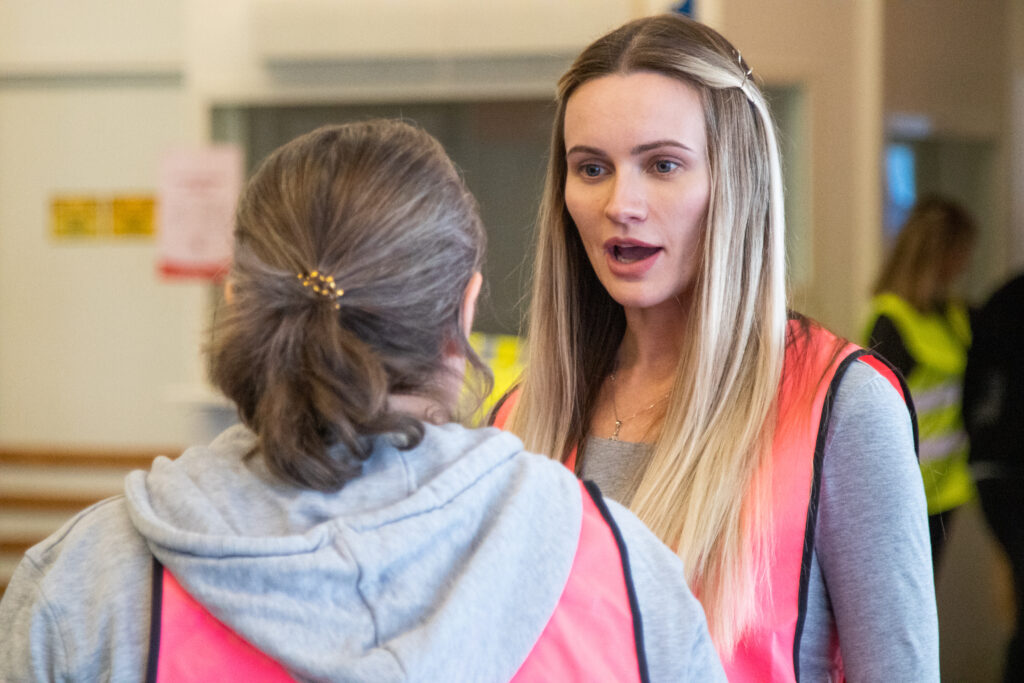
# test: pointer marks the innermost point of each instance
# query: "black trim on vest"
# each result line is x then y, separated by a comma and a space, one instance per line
155, 614
812, 505
634, 605
492, 415
819, 458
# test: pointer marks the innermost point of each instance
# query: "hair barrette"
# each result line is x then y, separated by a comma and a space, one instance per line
323, 285
747, 71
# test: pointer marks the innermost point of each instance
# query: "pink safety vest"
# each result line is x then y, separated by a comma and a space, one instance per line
770, 651
594, 633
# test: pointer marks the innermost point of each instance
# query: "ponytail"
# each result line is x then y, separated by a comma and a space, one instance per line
353, 247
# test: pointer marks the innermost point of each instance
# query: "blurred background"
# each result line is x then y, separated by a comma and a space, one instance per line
877, 101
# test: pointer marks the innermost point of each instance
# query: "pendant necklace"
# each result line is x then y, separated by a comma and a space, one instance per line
615, 411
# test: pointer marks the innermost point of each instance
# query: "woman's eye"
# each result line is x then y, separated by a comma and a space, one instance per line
665, 166
590, 170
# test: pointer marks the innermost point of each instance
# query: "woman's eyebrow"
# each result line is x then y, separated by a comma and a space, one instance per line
584, 149
648, 146
639, 149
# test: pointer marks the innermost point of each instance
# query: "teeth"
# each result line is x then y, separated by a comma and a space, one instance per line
632, 254
622, 258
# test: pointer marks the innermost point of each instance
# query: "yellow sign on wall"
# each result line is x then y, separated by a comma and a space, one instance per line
74, 216
81, 216
132, 215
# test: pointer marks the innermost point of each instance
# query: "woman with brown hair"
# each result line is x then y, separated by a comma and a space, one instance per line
775, 458
349, 530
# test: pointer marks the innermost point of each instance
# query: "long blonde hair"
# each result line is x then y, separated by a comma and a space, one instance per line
699, 493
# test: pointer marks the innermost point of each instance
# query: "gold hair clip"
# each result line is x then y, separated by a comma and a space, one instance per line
322, 285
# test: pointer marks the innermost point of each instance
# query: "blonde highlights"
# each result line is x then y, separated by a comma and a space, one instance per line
702, 492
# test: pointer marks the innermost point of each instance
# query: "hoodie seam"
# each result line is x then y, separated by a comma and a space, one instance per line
77, 520
410, 477
340, 539
53, 614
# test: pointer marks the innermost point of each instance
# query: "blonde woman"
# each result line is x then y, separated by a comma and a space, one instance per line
920, 327
775, 458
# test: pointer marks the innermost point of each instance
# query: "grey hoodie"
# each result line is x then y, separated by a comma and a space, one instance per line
441, 563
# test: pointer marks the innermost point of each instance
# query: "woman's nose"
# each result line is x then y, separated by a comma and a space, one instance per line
627, 201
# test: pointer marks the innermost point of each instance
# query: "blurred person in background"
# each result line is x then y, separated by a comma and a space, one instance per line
920, 327
993, 407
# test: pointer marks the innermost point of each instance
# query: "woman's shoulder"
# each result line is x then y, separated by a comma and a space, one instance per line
100, 534
869, 416
93, 558
864, 386
89, 584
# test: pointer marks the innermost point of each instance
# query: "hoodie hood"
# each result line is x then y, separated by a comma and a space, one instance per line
443, 562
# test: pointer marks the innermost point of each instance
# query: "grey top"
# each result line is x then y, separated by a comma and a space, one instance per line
871, 571
442, 563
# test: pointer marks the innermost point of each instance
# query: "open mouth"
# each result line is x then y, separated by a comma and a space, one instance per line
626, 254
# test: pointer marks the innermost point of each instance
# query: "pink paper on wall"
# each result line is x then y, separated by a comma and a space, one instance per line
198, 194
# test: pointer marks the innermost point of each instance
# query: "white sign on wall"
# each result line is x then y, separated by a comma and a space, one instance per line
198, 194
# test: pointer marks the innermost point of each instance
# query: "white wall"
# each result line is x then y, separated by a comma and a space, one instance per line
270, 50
91, 338
55, 36
91, 94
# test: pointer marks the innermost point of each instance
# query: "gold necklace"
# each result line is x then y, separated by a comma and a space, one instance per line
615, 410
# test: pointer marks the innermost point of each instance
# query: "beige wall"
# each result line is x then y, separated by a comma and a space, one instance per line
948, 67
861, 64
947, 60
91, 340
255, 50
1015, 101
831, 52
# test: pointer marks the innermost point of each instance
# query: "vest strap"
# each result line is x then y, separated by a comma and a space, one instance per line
188, 644
586, 635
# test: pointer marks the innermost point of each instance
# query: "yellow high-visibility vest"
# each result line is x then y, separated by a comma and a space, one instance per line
938, 343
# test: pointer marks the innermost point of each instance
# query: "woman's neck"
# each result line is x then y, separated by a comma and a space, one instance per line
653, 340
419, 407
633, 397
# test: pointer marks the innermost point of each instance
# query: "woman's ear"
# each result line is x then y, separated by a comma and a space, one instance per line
466, 312
469, 298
